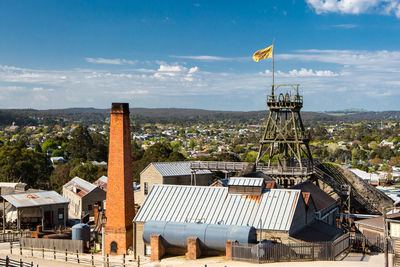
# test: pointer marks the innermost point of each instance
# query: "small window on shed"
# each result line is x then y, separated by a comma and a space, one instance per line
61, 214
90, 207
146, 188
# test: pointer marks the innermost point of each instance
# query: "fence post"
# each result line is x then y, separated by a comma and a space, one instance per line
108, 261
32, 251
31, 263
43, 252
66, 255
20, 248
7, 260
92, 259
54, 255
312, 251
10, 247
77, 256
138, 261
21, 263
123, 260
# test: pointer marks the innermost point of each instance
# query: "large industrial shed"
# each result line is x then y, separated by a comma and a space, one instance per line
276, 213
178, 173
46, 208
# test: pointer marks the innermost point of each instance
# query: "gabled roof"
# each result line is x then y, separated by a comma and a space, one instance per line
101, 182
318, 231
41, 198
321, 199
79, 186
179, 168
178, 203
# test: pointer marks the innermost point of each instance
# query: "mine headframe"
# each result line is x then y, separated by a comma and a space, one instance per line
284, 146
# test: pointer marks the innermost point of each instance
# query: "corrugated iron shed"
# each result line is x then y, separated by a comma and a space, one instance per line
35, 199
177, 203
79, 186
245, 181
179, 168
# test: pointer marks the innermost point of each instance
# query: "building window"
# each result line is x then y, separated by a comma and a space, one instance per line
90, 207
61, 214
146, 188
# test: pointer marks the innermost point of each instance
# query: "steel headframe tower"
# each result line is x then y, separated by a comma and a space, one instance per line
285, 141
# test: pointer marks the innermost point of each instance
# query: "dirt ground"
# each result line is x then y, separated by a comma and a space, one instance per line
348, 260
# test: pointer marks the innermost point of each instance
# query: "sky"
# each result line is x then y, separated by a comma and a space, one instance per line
198, 54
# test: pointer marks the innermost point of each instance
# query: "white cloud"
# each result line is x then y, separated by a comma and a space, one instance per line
113, 61
347, 76
386, 7
213, 58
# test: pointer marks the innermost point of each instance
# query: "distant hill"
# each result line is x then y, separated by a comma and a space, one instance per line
24, 117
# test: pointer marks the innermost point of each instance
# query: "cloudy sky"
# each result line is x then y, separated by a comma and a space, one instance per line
197, 54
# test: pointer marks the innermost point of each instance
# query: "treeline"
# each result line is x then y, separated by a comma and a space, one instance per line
87, 116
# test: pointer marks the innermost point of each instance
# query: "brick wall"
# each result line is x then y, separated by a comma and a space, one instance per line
120, 203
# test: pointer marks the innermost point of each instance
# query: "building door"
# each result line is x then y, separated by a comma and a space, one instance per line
113, 247
48, 219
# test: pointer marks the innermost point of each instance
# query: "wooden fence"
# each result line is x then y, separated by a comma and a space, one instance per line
59, 244
14, 263
13, 236
280, 252
74, 257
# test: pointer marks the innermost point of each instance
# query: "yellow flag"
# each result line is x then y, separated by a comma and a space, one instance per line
263, 53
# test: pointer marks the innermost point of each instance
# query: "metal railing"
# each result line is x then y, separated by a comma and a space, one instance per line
281, 252
219, 166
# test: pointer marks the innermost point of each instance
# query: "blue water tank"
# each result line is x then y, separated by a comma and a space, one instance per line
81, 231
211, 236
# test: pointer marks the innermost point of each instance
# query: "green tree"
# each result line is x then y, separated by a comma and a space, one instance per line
19, 164
60, 176
88, 172
81, 143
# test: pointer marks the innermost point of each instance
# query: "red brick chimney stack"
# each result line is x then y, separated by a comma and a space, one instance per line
120, 209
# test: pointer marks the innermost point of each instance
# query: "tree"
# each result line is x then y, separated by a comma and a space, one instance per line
394, 161
81, 143
60, 176
20, 164
88, 172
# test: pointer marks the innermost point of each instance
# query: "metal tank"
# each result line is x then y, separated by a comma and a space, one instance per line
211, 236
81, 231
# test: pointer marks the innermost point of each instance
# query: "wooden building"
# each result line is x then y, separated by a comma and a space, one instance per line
27, 210
82, 197
178, 173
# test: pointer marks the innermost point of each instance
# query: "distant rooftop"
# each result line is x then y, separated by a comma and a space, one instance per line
179, 168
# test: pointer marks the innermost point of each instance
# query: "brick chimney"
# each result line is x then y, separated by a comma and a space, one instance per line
120, 209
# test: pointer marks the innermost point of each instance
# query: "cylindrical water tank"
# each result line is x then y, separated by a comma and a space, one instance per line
81, 231
211, 236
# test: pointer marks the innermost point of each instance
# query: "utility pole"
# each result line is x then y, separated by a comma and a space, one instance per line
386, 238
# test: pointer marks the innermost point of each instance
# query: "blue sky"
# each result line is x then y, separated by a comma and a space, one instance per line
197, 54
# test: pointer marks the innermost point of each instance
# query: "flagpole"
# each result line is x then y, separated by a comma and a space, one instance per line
273, 67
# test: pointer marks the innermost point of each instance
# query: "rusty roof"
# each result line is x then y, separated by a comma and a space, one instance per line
79, 186
35, 199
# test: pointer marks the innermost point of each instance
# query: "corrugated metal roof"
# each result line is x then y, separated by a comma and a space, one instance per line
35, 199
178, 203
246, 181
178, 168
84, 187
